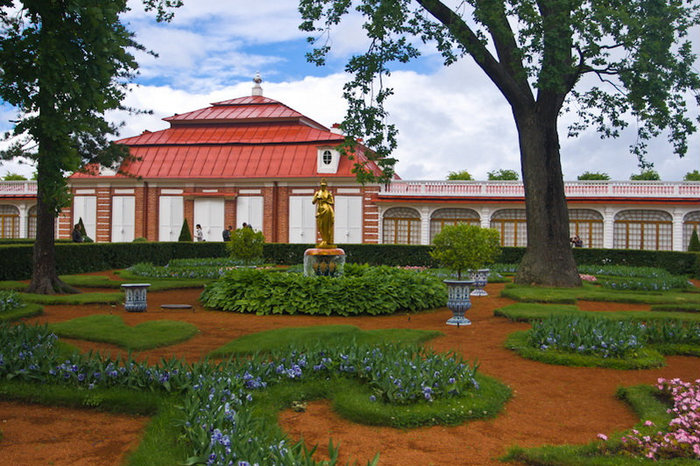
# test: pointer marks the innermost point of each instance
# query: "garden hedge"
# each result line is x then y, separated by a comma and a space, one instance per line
16, 257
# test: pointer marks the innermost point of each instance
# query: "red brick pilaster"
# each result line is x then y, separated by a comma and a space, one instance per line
103, 231
370, 215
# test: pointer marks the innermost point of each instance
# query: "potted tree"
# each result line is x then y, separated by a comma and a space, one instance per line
463, 248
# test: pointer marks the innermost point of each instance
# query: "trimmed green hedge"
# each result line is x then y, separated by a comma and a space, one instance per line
71, 258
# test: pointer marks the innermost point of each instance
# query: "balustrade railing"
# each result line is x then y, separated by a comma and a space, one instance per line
639, 189
17, 188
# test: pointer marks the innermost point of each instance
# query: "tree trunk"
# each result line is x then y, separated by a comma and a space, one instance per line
44, 277
549, 260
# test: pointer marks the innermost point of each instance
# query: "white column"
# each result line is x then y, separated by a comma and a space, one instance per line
485, 217
23, 220
677, 230
425, 225
608, 227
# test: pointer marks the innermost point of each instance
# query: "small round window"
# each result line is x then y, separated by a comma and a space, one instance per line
327, 157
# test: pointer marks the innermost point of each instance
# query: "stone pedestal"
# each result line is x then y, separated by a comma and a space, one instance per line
324, 262
135, 296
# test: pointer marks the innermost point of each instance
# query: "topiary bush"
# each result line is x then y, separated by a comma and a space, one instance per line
363, 290
185, 233
694, 244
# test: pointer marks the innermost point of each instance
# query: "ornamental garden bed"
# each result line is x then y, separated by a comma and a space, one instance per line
546, 407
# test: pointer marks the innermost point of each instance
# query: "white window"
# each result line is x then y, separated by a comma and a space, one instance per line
327, 161
85, 207
302, 220
210, 214
170, 218
348, 219
249, 209
123, 216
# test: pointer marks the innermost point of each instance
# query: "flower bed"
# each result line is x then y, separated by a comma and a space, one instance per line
681, 438
216, 408
362, 290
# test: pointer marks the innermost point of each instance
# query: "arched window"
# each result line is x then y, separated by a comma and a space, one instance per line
690, 222
442, 217
9, 221
401, 225
643, 229
588, 225
512, 225
31, 223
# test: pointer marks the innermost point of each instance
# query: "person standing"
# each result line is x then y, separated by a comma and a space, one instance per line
198, 233
76, 235
227, 233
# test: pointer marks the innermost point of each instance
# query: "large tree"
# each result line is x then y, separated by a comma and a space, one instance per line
64, 63
539, 54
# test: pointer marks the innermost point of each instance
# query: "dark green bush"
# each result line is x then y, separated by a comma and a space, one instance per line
185, 233
694, 244
362, 290
246, 245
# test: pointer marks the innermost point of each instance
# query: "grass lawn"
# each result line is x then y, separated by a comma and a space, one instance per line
589, 292
112, 329
277, 339
28, 310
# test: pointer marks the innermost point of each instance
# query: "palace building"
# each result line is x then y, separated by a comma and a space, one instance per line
254, 160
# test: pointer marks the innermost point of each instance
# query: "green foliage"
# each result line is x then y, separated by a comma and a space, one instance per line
83, 233
112, 329
82, 298
460, 175
13, 177
503, 175
246, 245
10, 301
593, 176
140, 239
185, 233
361, 291
694, 243
692, 176
646, 175
326, 335
645, 284
644, 358
526, 312
463, 247
26, 310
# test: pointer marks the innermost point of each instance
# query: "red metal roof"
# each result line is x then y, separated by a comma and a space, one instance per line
248, 137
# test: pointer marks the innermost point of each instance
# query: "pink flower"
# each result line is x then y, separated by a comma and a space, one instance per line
648, 423
603, 437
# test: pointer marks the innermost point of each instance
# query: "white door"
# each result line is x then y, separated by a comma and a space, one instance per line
170, 218
348, 219
249, 209
123, 218
210, 214
302, 220
85, 207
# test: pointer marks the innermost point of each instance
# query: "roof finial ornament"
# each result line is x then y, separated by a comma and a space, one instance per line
257, 89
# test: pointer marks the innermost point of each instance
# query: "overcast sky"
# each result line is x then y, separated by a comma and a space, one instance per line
449, 119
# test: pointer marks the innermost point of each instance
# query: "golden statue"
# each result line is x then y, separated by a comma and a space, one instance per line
325, 215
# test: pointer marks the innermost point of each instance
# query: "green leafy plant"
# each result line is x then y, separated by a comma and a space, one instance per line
460, 175
694, 244
185, 233
646, 175
692, 176
503, 175
362, 290
463, 247
246, 245
593, 176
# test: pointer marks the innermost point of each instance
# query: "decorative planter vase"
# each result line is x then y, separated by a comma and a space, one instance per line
480, 277
458, 301
135, 296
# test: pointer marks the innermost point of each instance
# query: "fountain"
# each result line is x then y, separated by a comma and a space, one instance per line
325, 259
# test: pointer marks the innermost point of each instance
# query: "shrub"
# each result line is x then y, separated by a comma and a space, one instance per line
694, 244
185, 233
140, 240
362, 290
83, 232
246, 245
464, 247
594, 176
645, 284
